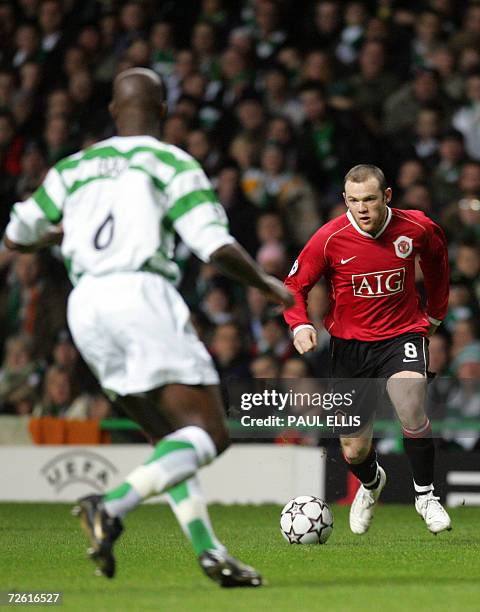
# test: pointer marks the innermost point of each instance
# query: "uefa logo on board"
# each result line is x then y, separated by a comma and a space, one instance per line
76, 467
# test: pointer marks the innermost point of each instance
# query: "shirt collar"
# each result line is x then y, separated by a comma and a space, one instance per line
366, 234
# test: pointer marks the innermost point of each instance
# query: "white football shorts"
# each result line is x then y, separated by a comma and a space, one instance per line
133, 329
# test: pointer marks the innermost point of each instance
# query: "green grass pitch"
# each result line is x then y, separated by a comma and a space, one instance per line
398, 565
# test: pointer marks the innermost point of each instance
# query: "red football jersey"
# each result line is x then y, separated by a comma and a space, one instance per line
371, 279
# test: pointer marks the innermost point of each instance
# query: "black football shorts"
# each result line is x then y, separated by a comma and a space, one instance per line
371, 364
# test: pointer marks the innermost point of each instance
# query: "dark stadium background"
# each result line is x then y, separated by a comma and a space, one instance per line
276, 99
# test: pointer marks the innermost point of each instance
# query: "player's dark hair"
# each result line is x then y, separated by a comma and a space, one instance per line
362, 172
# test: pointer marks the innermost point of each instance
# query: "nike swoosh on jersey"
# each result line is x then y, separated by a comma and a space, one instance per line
409, 360
344, 261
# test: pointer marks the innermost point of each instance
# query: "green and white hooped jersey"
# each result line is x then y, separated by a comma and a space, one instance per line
119, 203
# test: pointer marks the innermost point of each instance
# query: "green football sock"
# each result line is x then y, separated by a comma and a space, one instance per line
174, 459
189, 506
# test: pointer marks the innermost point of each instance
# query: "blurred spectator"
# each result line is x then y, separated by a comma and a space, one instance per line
265, 366
427, 38
464, 333
66, 357
467, 267
251, 117
463, 400
245, 151
462, 217
217, 303
411, 171
200, 146
20, 376
273, 259
402, 106
257, 306
273, 186
280, 131
274, 339
185, 65
7, 89
277, 96
270, 228
467, 119
326, 149
58, 398
426, 135
235, 75
269, 36
439, 354
371, 85
295, 367
34, 305
469, 35
213, 11
227, 349
132, 22
443, 60
355, 19
33, 169
242, 215
318, 67
163, 52
11, 146
175, 130
446, 173
57, 139
27, 45
50, 20
326, 25
204, 46
417, 197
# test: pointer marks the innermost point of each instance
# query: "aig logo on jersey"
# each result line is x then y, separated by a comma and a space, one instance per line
378, 284
403, 246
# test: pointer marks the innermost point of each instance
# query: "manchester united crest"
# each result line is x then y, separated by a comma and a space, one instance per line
403, 246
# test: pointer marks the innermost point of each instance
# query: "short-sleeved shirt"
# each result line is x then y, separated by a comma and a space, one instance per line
120, 203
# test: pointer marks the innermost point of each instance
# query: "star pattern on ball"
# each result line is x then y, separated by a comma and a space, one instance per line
306, 520
293, 538
296, 508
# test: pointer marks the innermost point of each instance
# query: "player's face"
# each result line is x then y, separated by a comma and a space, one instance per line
367, 203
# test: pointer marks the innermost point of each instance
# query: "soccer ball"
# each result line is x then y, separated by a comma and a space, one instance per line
306, 520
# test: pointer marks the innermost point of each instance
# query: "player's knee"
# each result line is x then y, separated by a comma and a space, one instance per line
355, 454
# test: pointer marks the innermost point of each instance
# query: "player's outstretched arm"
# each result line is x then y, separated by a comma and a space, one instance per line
51, 239
36, 222
234, 261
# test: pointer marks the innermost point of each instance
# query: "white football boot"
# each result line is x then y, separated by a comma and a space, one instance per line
433, 513
363, 506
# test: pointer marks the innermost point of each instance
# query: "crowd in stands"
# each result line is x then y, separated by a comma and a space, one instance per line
276, 99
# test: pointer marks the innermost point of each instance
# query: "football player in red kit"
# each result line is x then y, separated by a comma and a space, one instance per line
378, 326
